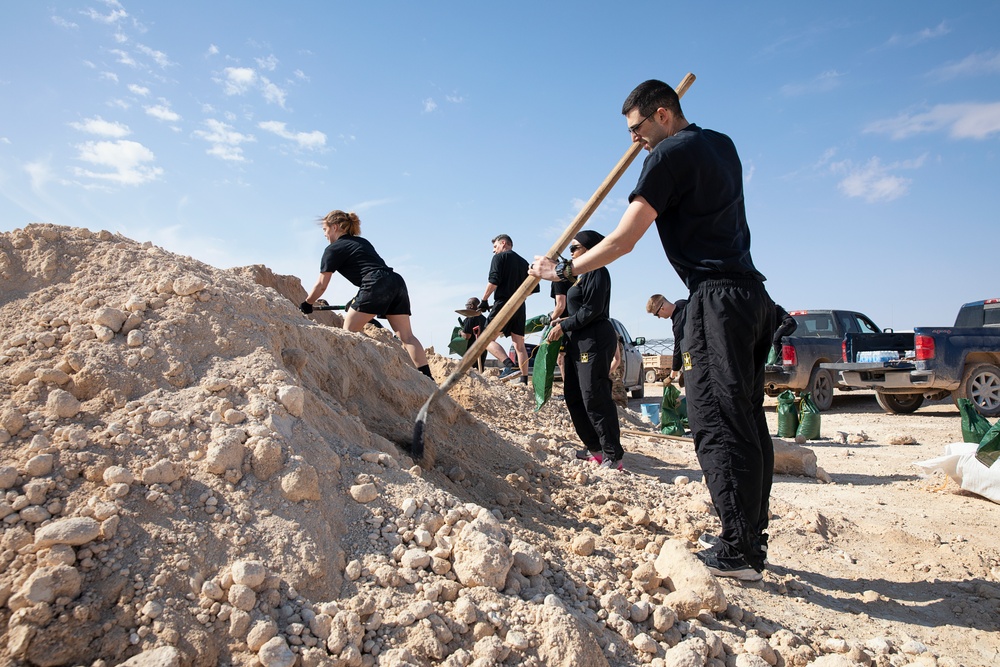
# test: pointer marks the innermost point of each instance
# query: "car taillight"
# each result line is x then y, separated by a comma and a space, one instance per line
788, 357
843, 350
924, 347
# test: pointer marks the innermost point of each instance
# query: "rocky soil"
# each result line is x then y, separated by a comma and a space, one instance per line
193, 473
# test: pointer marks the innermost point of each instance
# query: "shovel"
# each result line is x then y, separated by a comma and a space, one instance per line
514, 302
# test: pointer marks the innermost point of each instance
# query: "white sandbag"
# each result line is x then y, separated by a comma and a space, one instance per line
959, 462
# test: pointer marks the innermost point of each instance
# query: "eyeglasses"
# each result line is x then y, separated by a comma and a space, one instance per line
634, 129
574, 247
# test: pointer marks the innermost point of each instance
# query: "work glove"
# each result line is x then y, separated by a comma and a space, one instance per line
306, 307
484, 306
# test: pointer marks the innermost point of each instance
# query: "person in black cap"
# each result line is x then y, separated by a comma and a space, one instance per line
473, 324
691, 186
381, 291
590, 346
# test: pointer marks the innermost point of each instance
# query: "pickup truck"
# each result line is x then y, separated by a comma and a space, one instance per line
930, 363
818, 338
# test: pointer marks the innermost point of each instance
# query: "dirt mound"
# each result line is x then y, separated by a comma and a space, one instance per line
194, 473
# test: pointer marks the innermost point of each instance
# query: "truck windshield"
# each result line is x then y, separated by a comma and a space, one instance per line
814, 324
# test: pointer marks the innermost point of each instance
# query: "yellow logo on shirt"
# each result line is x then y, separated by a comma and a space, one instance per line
584, 357
687, 361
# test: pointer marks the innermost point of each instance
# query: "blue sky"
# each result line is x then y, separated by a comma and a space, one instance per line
869, 134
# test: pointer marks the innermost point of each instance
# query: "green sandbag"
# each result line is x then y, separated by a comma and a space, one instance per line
536, 324
772, 357
788, 418
458, 344
546, 361
671, 421
974, 425
808, 418
989, 448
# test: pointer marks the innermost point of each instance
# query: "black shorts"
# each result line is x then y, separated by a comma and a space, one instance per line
515, 325
382, 293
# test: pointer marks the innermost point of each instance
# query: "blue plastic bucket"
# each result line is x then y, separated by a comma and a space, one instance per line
651, 411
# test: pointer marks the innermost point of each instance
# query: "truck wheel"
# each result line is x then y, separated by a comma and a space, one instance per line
899, 404
638, 392
650, 375
821, 389
981, 385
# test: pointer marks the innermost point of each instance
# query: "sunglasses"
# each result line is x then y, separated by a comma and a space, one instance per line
634, 129
574, 247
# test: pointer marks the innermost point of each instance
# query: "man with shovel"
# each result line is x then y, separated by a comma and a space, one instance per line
691, 186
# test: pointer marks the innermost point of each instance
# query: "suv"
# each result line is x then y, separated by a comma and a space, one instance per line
631, 359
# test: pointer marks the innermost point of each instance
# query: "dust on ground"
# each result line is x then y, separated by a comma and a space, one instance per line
196, 474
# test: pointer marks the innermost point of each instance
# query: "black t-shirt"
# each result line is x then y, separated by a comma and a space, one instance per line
470, 324
354, 257
559, 287
507, 271
588, 301
694, 181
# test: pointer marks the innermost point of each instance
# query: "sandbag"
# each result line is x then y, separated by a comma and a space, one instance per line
989, 447
536, 323
808, 418
672, 422
459, 344
788, 418
772, 358
546, 361
974, 425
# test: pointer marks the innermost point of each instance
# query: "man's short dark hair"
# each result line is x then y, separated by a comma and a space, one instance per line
503, 237
649, 96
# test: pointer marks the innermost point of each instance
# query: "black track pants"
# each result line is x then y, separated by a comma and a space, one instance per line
727, 336
587, 386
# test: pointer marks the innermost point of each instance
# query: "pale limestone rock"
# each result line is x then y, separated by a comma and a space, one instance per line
39, 466
276, 653
224, 454
693, 584
162, 472
188, 285
162, 656
791, 459
112, 318
62, 404
416, 559
688, 653
760, 647
8, 477
11, 420
242, 597
301, 483
293, 399
73, 531
117, 475
528, 561
48, 583
239, 623
584, 544
751, 660
52, 376
251, 573
160, 418
364, 493
481, 556
644, 576
260, 632
265, 458
644, 643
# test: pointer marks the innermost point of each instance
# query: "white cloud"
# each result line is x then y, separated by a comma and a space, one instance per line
272, 93
455, 99
110, 76
159, 57
101, 127
116, 14
914, 38
225, 140
126, 160
823, 83
120, 103
63, 23
238, 80
968, 120
162, 112
299, 74
309, 140
141, 91
4, 140
268, 64
213, 50
874, 181
974, 65
40, 173
125, 58
430, 105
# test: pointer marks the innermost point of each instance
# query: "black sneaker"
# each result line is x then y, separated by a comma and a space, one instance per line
583, 454
710, 541
736, 568
510, 372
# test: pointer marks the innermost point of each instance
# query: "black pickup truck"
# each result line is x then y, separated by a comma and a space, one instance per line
818, 338
930, 363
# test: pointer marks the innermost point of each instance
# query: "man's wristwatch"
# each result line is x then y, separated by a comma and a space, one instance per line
564, 271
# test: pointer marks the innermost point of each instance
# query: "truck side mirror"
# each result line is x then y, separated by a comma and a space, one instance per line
639, 341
